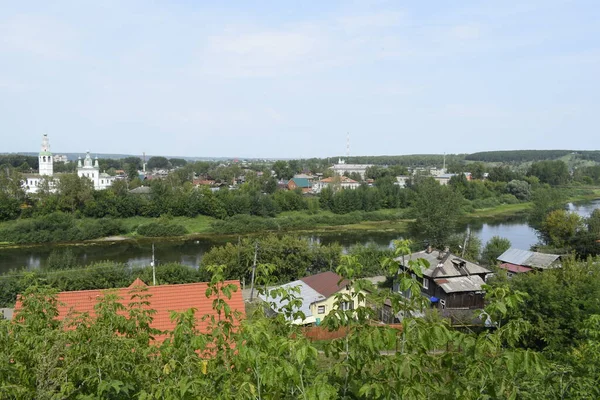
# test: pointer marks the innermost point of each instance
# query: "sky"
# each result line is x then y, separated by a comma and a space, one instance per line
291, 79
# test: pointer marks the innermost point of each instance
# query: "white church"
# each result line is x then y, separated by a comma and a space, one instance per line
88, 169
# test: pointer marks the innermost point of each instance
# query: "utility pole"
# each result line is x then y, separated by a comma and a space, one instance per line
153, 267
253, 271
466, 241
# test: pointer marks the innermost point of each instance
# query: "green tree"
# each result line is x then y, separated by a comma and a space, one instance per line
545, 200
550, 172
436, 209
282, 170
560, 227
493, 249
74, 192
158, 163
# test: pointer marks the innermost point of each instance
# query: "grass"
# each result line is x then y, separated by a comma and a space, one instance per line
198, 224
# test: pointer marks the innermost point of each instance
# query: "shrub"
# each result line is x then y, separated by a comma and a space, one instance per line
158, 229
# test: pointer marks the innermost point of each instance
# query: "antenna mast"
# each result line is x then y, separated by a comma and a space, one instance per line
347, 144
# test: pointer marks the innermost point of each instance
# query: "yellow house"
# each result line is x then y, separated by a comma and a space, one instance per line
326, 284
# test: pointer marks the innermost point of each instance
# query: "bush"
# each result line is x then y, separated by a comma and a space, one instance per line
59, 227
158, 229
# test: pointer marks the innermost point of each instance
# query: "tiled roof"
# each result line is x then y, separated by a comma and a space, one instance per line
325, 283
163, 299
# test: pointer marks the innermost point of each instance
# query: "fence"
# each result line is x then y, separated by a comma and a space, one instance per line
321, 333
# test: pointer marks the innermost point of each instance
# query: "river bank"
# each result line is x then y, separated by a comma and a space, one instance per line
381, 221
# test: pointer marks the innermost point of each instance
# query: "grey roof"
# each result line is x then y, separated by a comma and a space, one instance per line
528, 258
6, 313
460, 284
446, 265
141, 190
307, 294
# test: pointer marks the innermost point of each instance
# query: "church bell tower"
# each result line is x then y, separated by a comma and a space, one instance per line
45, 158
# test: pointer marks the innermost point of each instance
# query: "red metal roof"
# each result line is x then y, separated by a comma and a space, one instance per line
514, 268
163, 299
326, 283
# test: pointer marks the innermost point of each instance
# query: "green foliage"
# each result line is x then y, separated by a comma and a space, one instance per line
158, 163
520, 189
560, 301
161, 229
493, 249
239, 224
551, 172
436, 209
294, 257
545, 200
59, 227
112, 355
560, 227
516, 155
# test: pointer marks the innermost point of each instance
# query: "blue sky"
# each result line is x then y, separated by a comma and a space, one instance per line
290, 79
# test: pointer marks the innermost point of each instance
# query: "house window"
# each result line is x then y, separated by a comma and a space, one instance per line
348, 305
425, 283
321, 309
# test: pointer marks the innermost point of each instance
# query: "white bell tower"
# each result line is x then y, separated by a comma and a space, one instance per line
45, 157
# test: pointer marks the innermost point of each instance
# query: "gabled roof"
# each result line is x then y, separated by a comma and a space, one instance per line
342, 179
528, 258
163, 299
301, 182
307, 294
325, 283
141, 190
446, 265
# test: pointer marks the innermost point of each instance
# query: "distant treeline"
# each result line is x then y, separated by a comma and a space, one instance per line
529, 155
412, 160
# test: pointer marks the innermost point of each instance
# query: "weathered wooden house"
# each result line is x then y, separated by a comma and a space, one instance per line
450, 281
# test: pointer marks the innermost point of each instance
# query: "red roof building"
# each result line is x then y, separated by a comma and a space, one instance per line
326, 283
163, 299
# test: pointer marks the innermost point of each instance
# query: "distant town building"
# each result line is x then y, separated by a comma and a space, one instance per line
401, 180
33, 182
342, 182
341, 168
91, 170
60, 158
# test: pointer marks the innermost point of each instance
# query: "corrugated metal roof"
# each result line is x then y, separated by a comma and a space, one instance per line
460, 284
307, 294
528, 258
446, 266
301, 182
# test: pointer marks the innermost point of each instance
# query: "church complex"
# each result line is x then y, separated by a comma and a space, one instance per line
87, 168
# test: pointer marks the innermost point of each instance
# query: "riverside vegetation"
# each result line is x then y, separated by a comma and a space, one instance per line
175, 207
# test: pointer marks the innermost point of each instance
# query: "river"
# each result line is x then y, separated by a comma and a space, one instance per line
190, 252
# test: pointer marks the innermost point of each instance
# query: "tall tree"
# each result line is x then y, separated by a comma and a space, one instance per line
436, 209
